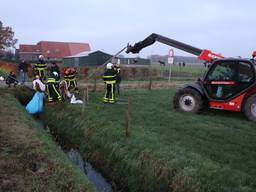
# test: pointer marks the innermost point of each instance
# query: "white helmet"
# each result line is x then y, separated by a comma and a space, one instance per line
109, 66
41, 57
55, 73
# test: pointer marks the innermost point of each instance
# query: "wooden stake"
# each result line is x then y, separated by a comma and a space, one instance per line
95, 85
150, 83
87, 95
84, 100
128, 127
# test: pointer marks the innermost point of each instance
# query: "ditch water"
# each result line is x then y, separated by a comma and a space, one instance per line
94, 176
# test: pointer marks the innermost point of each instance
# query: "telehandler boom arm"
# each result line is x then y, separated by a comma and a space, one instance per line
205, 54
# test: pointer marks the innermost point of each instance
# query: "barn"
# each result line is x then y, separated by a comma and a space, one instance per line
97, 58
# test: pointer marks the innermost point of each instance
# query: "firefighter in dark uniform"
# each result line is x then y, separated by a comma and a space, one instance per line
40, 67
109, 78
70, 78
52, 88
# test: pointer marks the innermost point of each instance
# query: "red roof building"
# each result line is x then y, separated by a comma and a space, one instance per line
52, 50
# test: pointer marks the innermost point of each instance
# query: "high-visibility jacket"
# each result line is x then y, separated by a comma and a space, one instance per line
51, 80
109, 76
40, 66
71, 80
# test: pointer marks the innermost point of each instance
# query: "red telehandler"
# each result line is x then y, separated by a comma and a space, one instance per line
228, 84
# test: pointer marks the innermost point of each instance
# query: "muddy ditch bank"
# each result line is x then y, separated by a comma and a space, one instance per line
29, 159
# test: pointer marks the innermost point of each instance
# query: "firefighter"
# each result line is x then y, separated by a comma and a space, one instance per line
55, 67
52, 88
40, 67
70, 78
109, 78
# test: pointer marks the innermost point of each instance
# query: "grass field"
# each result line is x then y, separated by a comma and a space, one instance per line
166, 150
189, 68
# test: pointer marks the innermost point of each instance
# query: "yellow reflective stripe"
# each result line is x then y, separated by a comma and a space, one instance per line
73, 81
40, 69
40, 65
56, 91
47, 90
112, 92
110, 82
51, 80
48, 93
109, 76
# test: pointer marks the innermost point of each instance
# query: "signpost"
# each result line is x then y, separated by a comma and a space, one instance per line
170, 62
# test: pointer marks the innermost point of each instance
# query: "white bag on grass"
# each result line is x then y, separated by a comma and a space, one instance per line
73, 100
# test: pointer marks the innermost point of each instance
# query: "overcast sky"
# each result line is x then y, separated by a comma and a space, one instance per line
223, 26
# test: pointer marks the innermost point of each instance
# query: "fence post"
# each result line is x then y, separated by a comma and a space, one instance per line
128, 127
95, 85
84, 100
87, 95
150, 83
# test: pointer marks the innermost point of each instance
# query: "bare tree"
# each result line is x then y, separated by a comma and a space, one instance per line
6, 37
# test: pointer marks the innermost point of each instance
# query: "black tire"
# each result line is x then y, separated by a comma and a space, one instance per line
249, 108
188, 100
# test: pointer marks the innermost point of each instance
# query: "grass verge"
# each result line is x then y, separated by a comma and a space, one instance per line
29, 159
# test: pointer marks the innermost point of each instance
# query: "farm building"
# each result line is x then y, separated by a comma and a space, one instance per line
51, 50
98, 58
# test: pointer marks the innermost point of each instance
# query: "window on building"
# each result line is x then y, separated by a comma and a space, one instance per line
57, 51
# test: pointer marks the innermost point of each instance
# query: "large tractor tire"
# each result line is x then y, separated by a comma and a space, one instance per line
188, 100
249, 108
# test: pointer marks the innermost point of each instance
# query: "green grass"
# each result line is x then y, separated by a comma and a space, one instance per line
191, 69
27, 143
166, 150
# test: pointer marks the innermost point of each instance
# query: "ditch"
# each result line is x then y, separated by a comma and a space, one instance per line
95, 177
